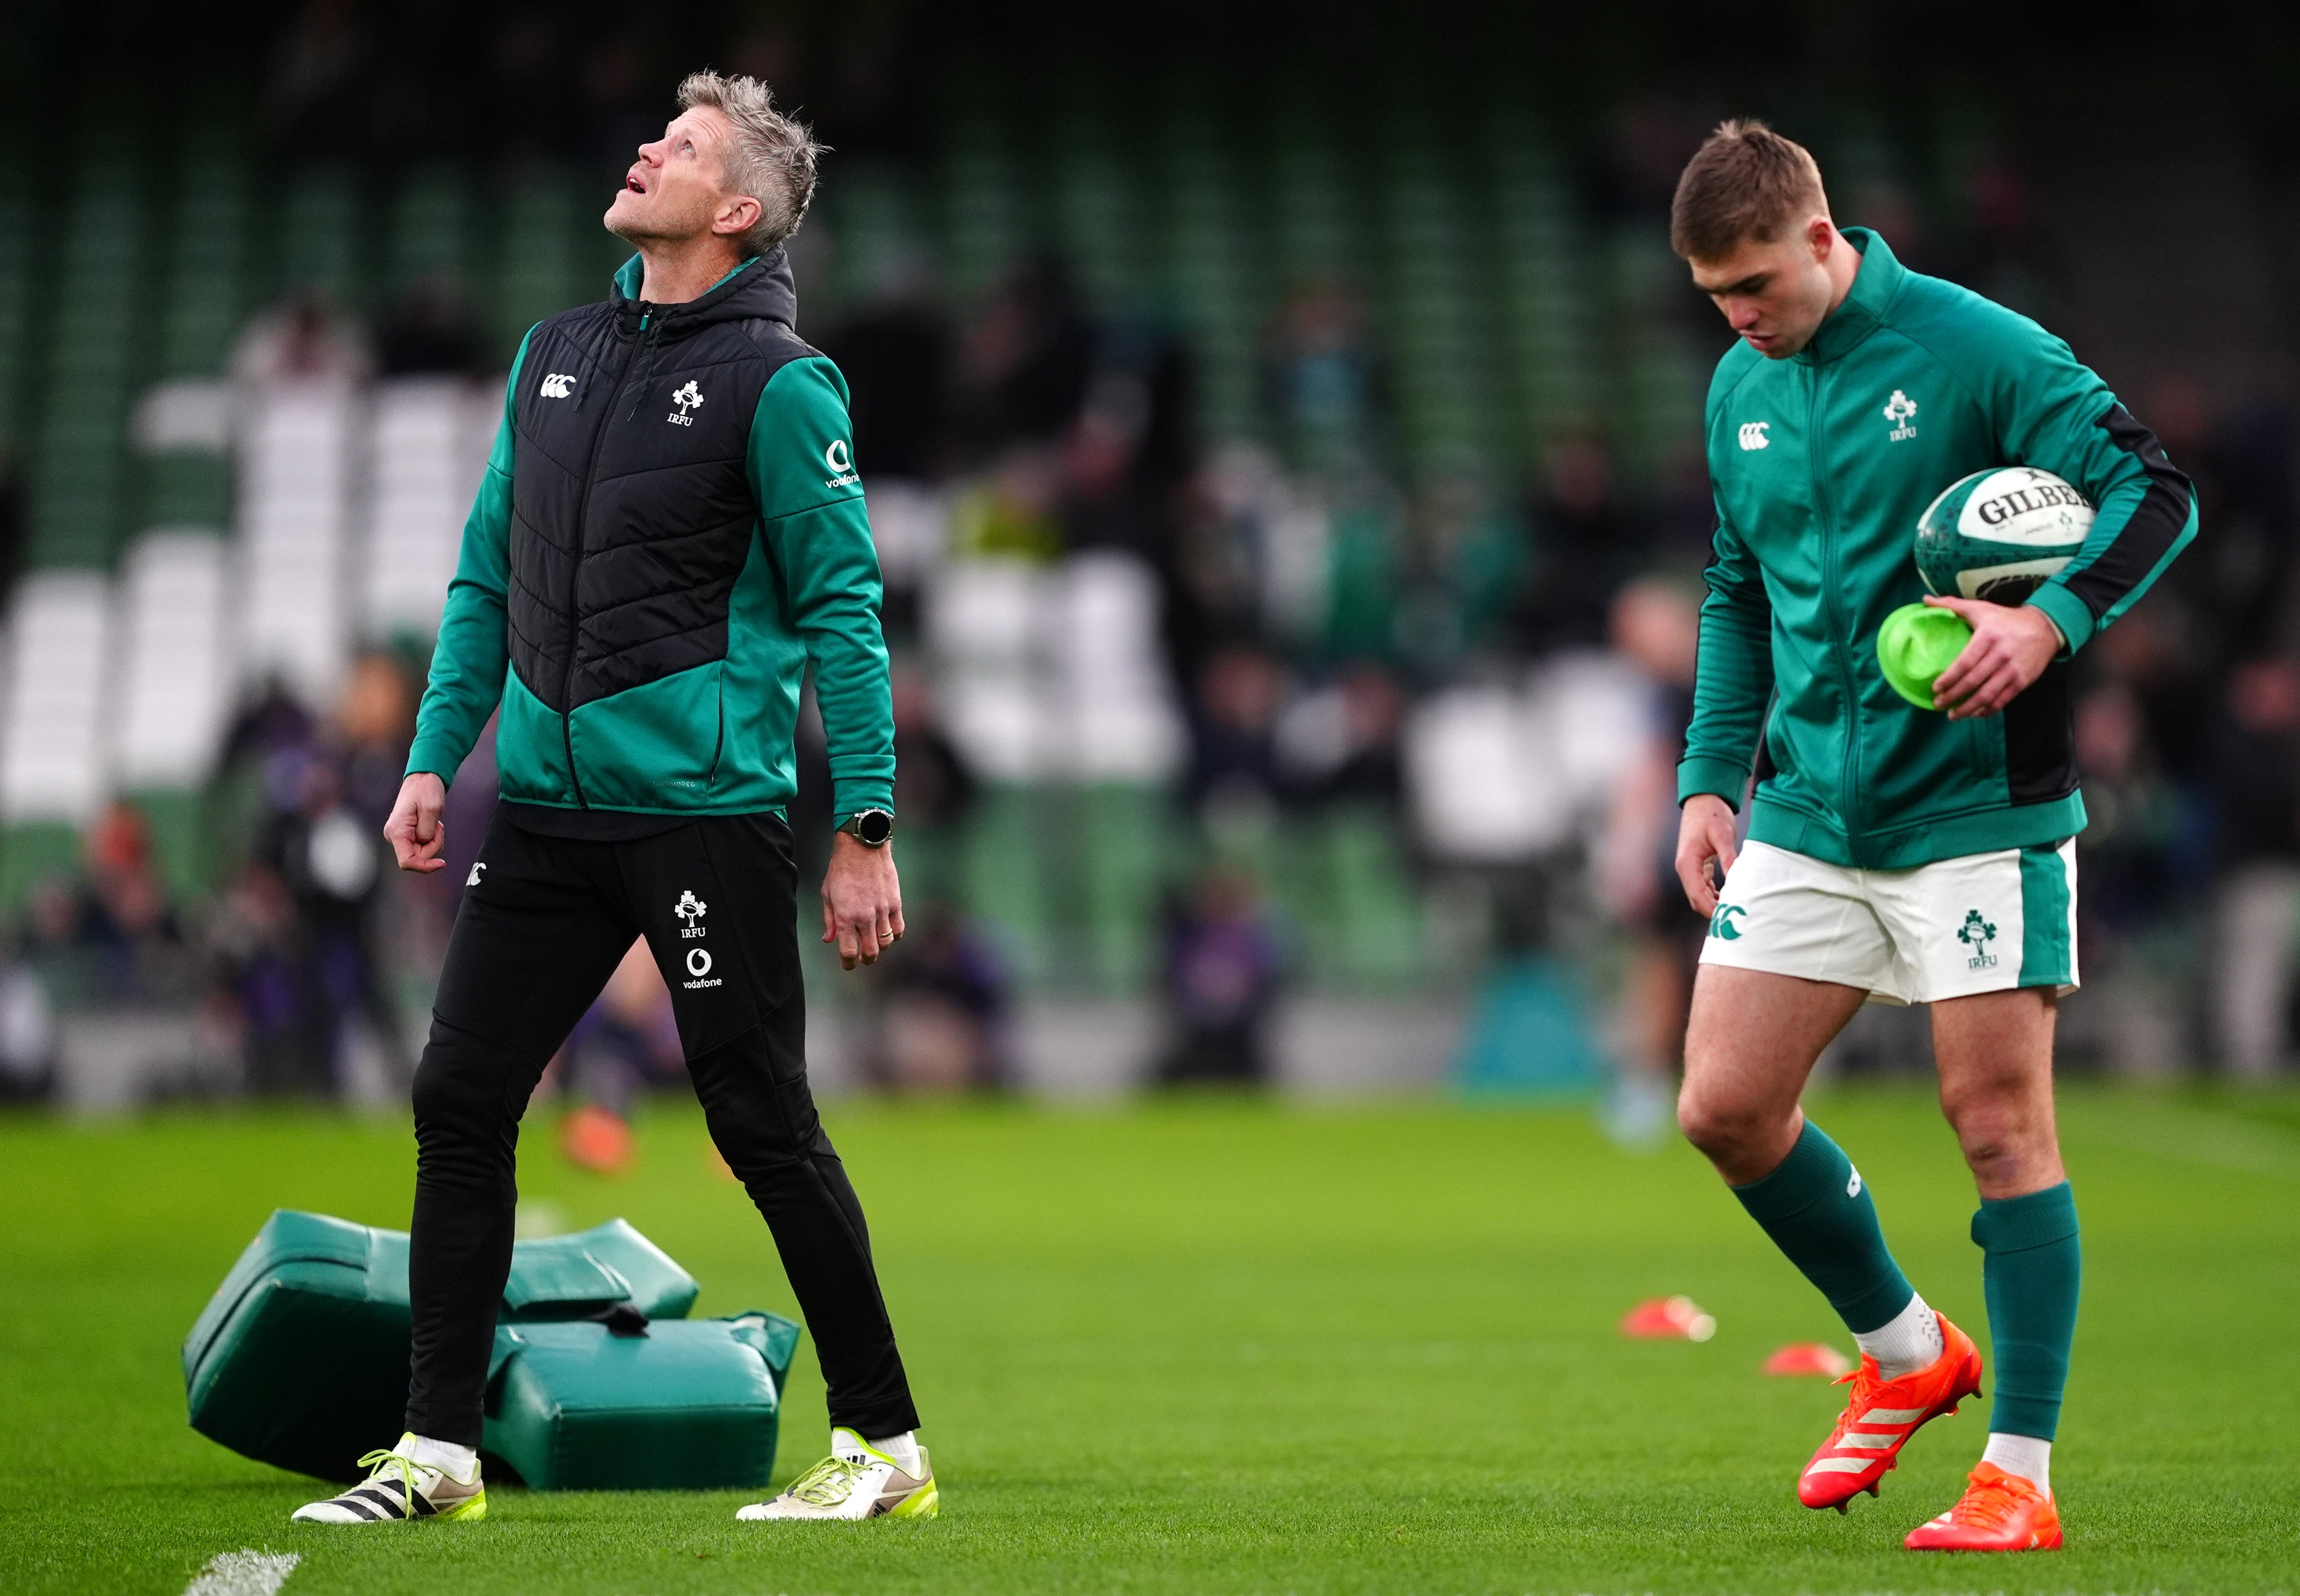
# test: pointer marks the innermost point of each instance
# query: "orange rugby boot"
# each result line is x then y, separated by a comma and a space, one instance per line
1883, 1414
1999, 1512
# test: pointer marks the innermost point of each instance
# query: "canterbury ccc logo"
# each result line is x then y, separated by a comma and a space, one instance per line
558, 384
1752, 435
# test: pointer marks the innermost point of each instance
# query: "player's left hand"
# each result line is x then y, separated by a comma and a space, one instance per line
861, 900
2010, 646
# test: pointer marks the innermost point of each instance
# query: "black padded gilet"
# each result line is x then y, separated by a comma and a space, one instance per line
631, 512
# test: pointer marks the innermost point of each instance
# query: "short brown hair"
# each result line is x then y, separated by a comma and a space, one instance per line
1745, 182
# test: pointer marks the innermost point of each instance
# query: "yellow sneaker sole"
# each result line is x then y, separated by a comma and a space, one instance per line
919, 1504
466, 1512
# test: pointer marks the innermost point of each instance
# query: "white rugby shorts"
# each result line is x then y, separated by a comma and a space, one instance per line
1983, 922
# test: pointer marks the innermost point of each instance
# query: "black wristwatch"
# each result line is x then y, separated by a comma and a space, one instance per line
869, 827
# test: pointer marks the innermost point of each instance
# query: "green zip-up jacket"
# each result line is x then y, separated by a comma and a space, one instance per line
1821, 465
671, 529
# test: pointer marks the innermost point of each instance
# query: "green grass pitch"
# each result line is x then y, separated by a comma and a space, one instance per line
1218, 1347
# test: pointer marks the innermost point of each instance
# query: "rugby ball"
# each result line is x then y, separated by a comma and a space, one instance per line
1998, 534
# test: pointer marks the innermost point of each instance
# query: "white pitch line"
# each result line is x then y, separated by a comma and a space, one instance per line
246, 1572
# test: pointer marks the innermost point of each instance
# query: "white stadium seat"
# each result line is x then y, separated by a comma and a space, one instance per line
1054, 673
1119, 707
59, 645
174, 689
985, 620
294, 508
428, 439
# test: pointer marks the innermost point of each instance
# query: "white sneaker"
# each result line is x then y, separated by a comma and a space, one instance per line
400, 1490
855, 1481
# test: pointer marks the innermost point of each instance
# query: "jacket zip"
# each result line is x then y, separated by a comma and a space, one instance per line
575, 570
1850, 774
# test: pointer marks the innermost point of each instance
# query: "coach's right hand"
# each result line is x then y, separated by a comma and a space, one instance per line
1705, 832
415, 831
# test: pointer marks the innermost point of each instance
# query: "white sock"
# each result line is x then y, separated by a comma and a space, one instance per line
1906, 1343
445, 1457
2022, 1454
902, 1449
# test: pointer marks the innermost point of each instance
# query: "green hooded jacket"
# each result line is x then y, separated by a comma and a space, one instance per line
670, 531
1821, 465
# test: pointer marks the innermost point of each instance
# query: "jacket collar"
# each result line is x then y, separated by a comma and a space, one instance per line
1864, 305
761, 286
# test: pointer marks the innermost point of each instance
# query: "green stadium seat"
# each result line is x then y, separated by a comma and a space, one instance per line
540, 271
431, 221
321, 242
15, 285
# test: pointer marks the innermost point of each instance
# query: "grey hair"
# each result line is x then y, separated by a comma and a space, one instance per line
771, 159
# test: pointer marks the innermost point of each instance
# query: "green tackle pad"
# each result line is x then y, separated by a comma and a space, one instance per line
686, 1405
300, 1359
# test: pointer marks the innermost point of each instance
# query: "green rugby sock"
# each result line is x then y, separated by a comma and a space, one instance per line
2030, 1267
1816, 1209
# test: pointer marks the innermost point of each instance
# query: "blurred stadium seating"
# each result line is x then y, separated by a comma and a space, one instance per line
1363, 409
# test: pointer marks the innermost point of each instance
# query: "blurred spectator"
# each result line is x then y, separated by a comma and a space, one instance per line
331, 863
2242, 463
1471, 558
2134, 955
1657, 627
110, 936
431, 331
12, 520
934, 789
1364, 583
1233, 758
2254, 781
941, 1021
28, 1036
1584, 542
264, 999
894, 354
1126, 456
1023, 361
375, 721
1322, 382
305, 339
1222, 970
932, 784
1338, 742
127, 917
1010, 511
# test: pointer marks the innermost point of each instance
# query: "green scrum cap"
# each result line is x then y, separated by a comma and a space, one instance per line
1915, 645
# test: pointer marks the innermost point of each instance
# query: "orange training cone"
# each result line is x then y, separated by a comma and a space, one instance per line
597, 1139
1809, 1358
1667, 1319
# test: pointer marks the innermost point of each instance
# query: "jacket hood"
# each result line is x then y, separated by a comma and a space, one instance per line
759, 287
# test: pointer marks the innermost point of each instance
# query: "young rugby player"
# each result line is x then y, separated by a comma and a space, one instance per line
1894, 854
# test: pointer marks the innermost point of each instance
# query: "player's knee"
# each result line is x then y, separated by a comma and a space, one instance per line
458, 1083
1718, 1129
1978, 1104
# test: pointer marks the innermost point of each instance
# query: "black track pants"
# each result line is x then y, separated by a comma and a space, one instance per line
534, 942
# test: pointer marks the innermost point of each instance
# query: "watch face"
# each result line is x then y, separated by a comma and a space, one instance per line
874, 826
